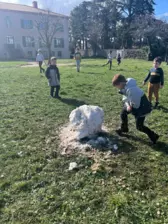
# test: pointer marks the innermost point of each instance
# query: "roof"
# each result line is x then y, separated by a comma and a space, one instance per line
26, 8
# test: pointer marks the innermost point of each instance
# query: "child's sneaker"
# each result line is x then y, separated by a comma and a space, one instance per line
57, 97
122, 130
156, 105
154, 138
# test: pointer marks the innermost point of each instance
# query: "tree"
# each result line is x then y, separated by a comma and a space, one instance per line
94, 23
47, 26
152, 32
131, 9
108, 24
79, 24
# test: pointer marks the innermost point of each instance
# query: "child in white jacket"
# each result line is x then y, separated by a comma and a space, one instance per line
40, 60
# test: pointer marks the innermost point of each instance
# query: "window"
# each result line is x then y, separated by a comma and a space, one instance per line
28, 41
59, 54
26, 24
30, 54
8, 22
58, 42
10, 40
53, 53
59, 27
42, 26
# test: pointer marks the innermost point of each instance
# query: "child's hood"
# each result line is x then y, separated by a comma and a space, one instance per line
130, 83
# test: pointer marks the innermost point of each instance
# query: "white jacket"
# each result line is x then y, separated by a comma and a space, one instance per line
110, 57
39, 57
132, 94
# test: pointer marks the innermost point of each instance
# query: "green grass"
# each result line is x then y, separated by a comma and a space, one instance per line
35, 186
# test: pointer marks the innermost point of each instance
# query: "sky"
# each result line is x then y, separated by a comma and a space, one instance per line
161, 8
65, 6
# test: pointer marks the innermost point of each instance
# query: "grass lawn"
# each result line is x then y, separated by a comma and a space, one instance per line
35, 184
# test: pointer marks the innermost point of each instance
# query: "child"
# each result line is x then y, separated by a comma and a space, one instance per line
166, 59
53, 76
119, 59
156, 81
78, 59
40, 60
136, 103
109, 57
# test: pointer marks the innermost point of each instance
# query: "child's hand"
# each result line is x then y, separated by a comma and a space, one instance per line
143, 83
161, 87
129, 108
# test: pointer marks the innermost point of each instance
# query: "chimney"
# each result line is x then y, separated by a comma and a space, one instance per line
35, 4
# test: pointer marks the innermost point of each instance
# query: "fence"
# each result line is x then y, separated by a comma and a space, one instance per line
125, 53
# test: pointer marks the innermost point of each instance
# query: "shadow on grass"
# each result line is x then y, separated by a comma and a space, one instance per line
93, 73
73, 102
164, 109
135, 138
124, 146
91, 65
160, 146
109, 145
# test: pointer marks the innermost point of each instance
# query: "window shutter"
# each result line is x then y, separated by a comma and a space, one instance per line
33, 45
31, 24
22, 23
62, 43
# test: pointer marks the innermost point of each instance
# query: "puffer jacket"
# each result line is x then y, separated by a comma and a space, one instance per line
135, 97
53, 75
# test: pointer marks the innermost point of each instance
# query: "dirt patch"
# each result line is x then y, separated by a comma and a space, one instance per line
97, 144
66, 64
34, 64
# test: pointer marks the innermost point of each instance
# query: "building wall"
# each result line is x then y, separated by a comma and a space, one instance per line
14, 29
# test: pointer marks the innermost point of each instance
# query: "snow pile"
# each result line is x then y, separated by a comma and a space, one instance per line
86, 121
85, 131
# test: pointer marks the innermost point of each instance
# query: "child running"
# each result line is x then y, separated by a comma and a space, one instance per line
78, 59
156, 81
110, 58
40, 60
119, 59
135, 103
53, 76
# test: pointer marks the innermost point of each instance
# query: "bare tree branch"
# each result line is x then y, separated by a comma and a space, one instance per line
47, 26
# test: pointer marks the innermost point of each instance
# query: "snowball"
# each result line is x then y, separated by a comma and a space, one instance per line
72, 166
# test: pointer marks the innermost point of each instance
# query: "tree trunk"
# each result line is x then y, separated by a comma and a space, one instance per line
86, 44
49, 54
149, 43
140, 42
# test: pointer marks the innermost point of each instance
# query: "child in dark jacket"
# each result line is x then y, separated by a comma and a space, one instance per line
119, 59
136, 103
156, 81
53, 76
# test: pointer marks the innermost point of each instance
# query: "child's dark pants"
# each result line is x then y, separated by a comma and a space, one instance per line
56, 92
139, 123
110, 62
119, 61
40, 66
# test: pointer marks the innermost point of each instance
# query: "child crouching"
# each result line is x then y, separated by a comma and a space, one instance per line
136, 103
